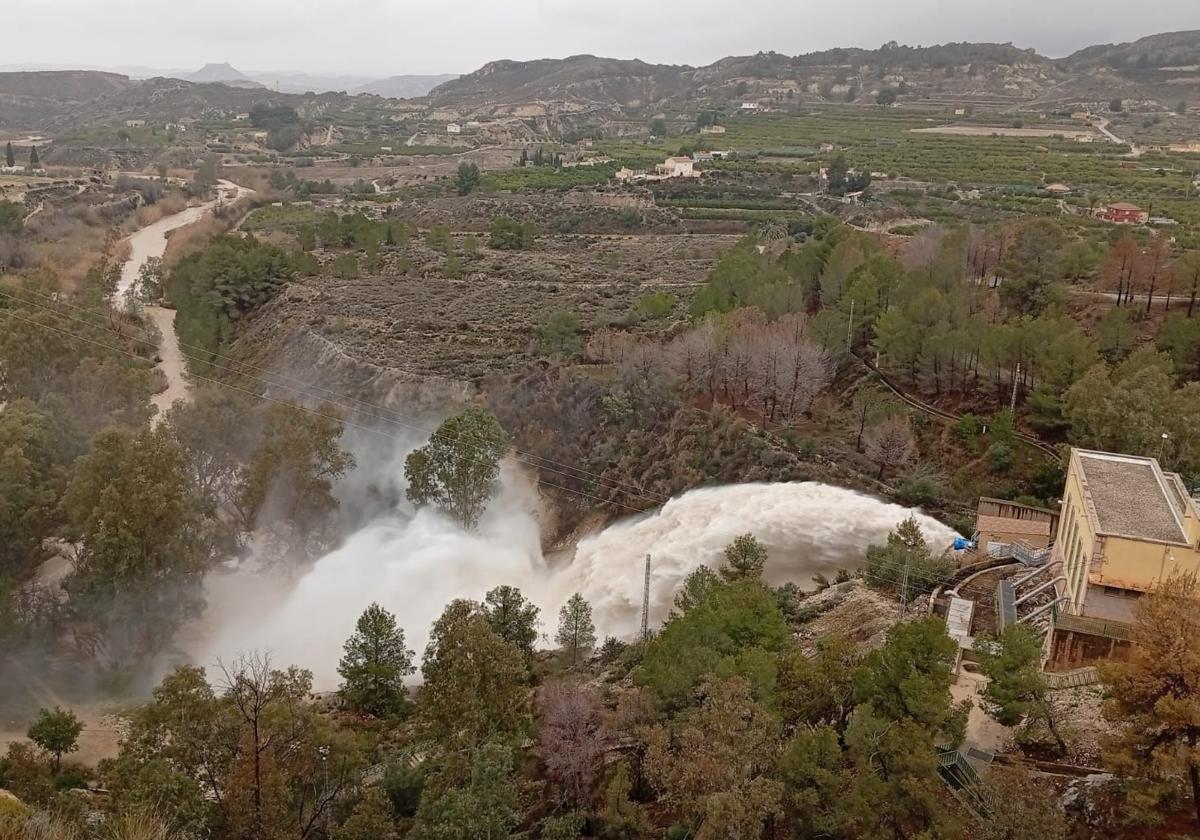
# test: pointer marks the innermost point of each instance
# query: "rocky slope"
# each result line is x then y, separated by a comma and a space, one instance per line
980, 74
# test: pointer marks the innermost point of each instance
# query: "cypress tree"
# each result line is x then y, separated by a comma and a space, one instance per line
10, 159
34, 163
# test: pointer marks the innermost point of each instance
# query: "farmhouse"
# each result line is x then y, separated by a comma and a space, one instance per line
1122, 213
453, 128
1058, 189
713, 129
135, 123
676, 167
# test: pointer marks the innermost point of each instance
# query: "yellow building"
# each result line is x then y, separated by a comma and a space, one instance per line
1125, 525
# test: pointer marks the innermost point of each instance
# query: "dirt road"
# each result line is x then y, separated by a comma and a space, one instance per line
150, 243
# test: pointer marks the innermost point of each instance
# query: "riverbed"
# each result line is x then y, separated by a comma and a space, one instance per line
151, 243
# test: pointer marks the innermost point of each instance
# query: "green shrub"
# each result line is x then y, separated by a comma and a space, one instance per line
918, 492
403, 785
656, 305
509, 234
560, 335
1000, 457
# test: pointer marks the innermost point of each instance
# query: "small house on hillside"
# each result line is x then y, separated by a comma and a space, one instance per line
1058, 190
135, 123
1122, 213
676, 167
453, 128
713, 129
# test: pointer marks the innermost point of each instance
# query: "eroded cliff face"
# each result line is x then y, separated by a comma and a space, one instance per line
297, 362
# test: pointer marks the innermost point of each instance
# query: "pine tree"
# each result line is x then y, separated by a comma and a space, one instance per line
576, 631
512, 617
745, 558
1153, 698
375, 664
34, 162
458, 468
10, 159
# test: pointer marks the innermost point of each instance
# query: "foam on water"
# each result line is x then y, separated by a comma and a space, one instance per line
413, 563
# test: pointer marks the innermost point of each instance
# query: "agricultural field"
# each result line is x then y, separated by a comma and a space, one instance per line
466, 311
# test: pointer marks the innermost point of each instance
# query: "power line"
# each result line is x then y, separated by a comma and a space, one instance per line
398, 419
928, 578
612, 483
298, 407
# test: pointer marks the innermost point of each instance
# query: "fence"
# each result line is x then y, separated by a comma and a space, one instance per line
1073, 679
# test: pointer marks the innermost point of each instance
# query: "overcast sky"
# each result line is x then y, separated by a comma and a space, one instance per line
388, 37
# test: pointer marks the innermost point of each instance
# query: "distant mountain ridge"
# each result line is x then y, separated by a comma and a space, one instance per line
224, 74
581, 91
404, 87
590, 80
1167, 50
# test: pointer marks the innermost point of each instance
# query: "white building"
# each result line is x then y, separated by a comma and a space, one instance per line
453, 128
751, 106
713, 129
135, 123
676, 167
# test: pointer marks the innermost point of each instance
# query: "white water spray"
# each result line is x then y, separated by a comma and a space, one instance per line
413, 563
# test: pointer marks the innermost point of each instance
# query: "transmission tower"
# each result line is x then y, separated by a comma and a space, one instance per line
646, 603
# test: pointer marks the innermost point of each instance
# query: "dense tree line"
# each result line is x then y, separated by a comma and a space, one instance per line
720, 725
983, 314
215, 288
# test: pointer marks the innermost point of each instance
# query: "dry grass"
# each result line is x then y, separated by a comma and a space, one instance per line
141, 824
40, 826
149, 214
187, 239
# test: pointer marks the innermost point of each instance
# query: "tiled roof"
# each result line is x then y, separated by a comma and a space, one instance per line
1131, 497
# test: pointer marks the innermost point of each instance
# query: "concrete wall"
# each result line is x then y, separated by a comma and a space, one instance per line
1136, 564
1075, 542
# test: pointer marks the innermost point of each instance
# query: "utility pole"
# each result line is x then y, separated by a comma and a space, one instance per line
1016, 379
904, 584
646, 603
850, 327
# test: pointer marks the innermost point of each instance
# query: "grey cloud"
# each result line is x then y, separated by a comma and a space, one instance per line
385, 37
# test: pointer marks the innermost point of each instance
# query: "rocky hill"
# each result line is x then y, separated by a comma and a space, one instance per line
1170, 50
979, 74
63, 85
25, 98
225, 74
109, 99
